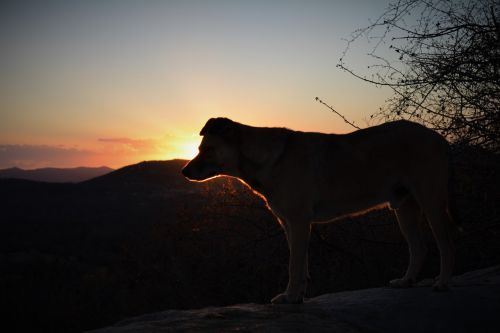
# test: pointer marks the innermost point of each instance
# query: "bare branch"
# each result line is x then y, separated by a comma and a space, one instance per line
442, 60
337, 113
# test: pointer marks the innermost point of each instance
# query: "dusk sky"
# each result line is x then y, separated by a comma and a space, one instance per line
91, 83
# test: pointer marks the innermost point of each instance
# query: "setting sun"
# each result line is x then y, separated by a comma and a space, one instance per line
188, 150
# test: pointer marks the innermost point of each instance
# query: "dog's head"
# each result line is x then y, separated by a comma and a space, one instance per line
218, 151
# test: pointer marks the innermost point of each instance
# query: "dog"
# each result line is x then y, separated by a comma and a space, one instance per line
307, 178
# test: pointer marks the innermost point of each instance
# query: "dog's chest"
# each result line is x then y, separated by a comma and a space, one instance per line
280, 213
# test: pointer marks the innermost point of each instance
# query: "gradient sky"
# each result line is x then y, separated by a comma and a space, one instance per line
90, 83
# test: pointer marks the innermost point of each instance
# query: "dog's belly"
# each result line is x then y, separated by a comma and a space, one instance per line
327, 211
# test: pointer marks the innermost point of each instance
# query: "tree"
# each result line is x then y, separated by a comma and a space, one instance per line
441, 59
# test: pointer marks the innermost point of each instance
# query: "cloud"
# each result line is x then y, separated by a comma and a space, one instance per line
36, 156
134, 143
114, 152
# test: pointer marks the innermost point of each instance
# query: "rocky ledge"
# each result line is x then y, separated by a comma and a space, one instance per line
472, 305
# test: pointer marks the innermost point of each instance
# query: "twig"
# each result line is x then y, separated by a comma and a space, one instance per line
337, 113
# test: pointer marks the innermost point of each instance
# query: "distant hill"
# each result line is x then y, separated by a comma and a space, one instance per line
156, 173
55, 175
156, 177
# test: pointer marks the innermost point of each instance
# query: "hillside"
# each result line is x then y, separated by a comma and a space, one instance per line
146, 175
55, 175
143, 239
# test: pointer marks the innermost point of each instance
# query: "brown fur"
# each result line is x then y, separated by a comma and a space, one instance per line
313, 177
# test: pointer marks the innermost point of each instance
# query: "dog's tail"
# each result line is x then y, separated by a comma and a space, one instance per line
452, 189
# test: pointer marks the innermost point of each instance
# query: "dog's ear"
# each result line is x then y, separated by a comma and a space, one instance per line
222, 127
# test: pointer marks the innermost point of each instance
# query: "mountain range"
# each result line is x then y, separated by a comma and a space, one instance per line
55, 175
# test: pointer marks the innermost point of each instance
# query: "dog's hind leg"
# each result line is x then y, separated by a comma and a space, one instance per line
410, 217
298, 240
432, 197
440, 223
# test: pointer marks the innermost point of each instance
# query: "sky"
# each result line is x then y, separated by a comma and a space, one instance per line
103, 82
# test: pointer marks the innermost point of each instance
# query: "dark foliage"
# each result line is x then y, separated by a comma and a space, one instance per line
441, 59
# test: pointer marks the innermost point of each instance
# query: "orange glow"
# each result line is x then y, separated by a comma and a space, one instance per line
188, 150
93, 91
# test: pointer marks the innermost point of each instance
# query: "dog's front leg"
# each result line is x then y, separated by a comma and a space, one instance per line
298, 233
306, 266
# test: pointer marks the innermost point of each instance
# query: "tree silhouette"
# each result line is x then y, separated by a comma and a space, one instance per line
441, 58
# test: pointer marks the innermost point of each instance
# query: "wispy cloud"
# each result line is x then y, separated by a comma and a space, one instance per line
35, 156
110, 151
138, 145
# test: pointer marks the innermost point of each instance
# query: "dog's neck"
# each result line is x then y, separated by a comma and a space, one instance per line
256, 173
248, 171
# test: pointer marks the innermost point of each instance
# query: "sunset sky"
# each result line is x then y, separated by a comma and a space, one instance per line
91, 83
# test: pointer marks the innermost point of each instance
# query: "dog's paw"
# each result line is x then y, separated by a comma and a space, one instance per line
440, 284
439, 287
401, 283
286, 299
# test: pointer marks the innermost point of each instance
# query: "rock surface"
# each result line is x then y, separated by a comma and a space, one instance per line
473, 305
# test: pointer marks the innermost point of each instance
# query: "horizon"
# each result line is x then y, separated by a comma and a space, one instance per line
95, 167
113, 83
